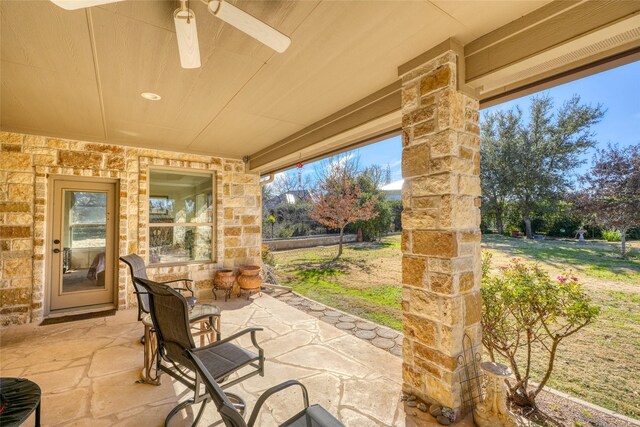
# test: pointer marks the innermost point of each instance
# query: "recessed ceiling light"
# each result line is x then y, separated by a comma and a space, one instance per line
151, 96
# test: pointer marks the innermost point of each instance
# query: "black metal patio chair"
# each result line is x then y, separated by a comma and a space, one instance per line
139, 270
170, 315
309, 416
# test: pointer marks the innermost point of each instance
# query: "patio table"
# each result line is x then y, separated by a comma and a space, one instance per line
19, 397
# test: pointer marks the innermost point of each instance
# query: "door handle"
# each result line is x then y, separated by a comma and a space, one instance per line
57, 241
56, 251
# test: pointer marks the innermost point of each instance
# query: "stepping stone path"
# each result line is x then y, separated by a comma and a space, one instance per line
347, 326
381, 337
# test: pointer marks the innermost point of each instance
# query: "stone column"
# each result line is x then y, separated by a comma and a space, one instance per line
441, 236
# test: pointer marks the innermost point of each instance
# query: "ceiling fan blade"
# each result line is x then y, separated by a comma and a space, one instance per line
187, 35
79, 4
250, 25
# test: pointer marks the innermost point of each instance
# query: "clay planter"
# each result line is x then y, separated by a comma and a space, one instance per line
249, 279
223, 280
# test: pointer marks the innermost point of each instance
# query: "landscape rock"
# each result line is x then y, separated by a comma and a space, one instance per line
443, 420
435, 410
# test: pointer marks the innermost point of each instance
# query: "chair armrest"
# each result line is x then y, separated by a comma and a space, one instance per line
273, 390
233, 337
186, 284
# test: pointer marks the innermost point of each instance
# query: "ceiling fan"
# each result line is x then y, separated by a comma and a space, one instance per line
187, 35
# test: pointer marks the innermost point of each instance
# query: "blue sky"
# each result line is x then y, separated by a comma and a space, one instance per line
618, 90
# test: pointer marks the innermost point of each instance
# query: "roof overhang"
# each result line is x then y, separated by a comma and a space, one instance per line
558, 43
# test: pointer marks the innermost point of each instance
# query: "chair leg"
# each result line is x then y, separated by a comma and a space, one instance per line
237, 402
200, 412
177, 409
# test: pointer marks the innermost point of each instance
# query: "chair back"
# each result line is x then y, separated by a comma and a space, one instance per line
170, 315
230, 416
139, 270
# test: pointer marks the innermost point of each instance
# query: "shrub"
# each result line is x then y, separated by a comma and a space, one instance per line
611, 235
267, 256
526, 313
285, 232
564, 226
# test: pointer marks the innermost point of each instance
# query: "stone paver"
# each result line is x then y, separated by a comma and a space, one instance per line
383, 343
345, 325
367, 326
365, 335
396, 350
328, 319
386, 333
332, 313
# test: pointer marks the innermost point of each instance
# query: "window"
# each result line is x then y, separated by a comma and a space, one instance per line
180, 216
86, 219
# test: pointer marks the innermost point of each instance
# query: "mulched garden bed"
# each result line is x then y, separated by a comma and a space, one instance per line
558, 411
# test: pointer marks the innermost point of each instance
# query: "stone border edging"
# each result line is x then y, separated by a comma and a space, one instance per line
379, 336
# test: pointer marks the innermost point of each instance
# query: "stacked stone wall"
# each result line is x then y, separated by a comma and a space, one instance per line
26, 165
441, 237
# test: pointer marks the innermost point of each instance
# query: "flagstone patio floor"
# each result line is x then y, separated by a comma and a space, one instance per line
88, 370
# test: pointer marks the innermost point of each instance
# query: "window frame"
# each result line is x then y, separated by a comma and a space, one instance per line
213, 223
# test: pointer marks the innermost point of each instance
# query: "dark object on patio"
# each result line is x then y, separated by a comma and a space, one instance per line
19, 397
139, 270
310, 416
170, 316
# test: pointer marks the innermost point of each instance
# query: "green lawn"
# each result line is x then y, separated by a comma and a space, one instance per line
601, 364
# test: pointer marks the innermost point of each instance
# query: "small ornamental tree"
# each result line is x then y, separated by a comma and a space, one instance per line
612, 190
340, 203
525, 315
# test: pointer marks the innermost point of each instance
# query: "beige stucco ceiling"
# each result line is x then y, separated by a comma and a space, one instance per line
79, 74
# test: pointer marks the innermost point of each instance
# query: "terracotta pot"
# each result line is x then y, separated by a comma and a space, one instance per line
249, 278
224, 279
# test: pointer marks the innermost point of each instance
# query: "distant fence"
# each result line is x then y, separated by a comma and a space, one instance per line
307, 241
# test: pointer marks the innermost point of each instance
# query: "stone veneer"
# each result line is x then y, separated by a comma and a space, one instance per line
441, 297
26, 161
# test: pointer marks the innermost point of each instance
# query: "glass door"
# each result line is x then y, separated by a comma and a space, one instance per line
82, 244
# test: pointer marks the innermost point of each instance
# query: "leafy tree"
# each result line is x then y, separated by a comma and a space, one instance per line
531, 161
612, 190
497, 152
396, 209
340, 203
370, 180
525, 311
375, 228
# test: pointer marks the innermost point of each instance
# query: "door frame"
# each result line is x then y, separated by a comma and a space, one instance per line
48, 284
